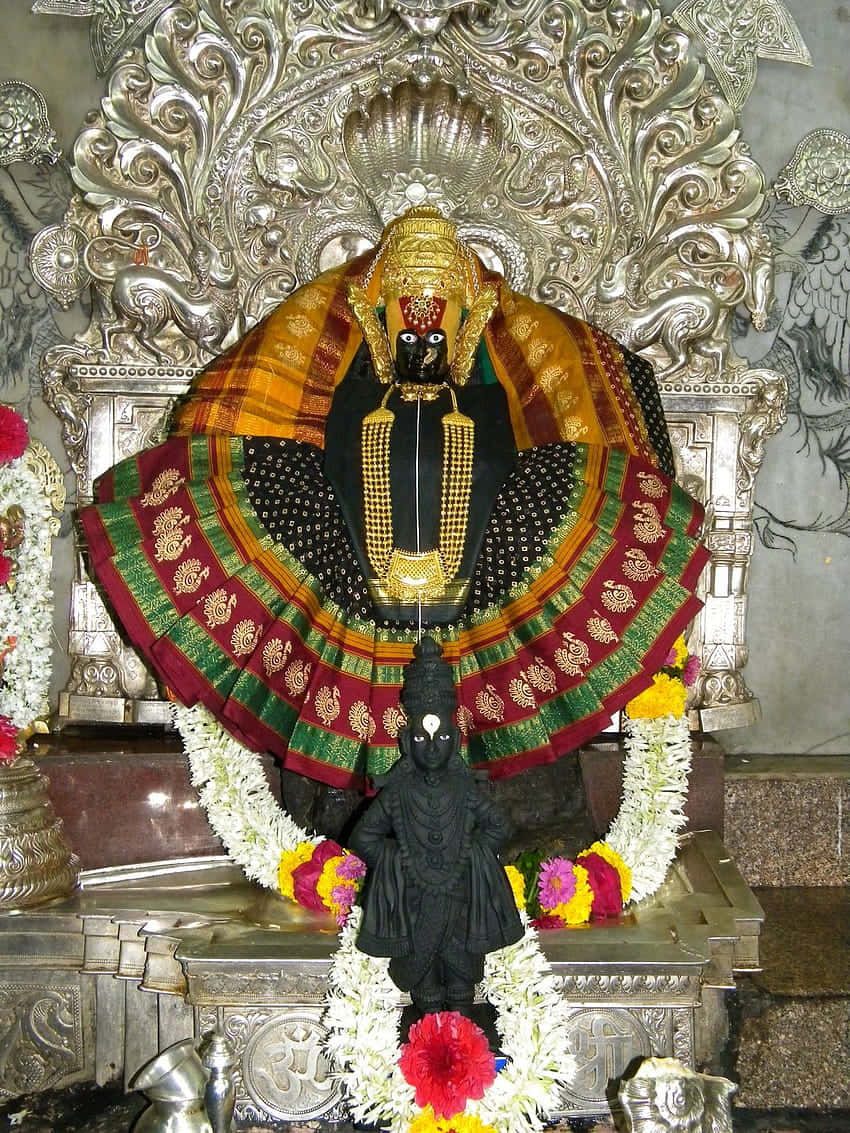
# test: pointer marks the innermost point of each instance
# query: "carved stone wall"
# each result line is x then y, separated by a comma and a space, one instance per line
579, 146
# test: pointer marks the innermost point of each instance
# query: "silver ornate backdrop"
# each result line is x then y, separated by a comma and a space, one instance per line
580, 147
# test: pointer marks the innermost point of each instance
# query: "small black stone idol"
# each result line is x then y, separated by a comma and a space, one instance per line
436, 899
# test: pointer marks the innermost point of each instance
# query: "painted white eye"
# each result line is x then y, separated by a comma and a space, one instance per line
408, 337
435, 338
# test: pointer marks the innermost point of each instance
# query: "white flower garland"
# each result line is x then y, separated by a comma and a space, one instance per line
26, 611
531, 1020
361, 1016
247, 818
655, 789
233, 790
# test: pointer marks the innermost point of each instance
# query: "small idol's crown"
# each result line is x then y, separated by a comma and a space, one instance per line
428, 682
423, 256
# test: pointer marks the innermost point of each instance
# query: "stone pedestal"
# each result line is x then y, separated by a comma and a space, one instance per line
127, 798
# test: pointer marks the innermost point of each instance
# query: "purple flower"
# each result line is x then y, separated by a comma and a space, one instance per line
351, 868
689, 674
343, 895
556, 882
670, 662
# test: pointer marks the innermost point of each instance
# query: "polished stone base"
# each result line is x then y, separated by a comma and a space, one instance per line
144, 956
788, 818
793, 1044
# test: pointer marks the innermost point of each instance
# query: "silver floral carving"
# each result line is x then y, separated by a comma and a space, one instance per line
115, 26
56, 262
287, 199
41, 1035
429, 16
25, 130
736, 33
818, 174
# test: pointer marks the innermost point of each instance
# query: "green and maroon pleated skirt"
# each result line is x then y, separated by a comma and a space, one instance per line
229, 618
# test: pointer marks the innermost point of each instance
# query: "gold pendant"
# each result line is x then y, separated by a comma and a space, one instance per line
415, 576
420, 391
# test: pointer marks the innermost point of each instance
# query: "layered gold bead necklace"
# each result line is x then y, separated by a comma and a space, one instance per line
416, 576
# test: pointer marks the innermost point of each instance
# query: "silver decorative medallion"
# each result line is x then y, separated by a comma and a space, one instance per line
819, 173
285, 1070
25, 130
735, 33
56, 262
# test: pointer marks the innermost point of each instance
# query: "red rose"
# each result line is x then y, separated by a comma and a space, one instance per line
8, 740
14, 435
306, 876
605, 883
447, 1060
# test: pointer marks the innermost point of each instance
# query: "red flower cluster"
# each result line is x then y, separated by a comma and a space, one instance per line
448, 1060
5, 570
604, 881
14, 435
306, 876
8, 740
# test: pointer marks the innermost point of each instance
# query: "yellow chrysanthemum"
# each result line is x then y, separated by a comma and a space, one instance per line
290, 860
517, 884
577, 909
681, 651
613, 858
426, 1122
665, 697
328, 881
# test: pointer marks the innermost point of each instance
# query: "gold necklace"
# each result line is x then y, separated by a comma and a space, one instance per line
416, 576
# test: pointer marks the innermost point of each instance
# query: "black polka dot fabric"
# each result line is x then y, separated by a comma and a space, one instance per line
297, 506
295, 503
530, 505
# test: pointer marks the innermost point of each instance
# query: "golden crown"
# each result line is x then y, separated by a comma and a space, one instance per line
423, 256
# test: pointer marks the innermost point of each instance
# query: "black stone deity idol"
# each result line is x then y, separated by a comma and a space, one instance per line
436, 898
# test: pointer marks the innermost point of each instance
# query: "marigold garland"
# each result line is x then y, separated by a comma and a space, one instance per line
665, 697
428, 1122
517, 884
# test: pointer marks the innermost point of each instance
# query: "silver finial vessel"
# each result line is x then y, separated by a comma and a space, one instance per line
219, 1058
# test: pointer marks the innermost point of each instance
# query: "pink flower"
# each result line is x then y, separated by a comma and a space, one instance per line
8, 740
689, 673
351, 868
5, 570
14, 435
604, 881
556, 882
448, 1060
343, 895
671, 659
305, 876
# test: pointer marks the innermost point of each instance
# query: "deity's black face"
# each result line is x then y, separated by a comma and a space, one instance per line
422, 357
431, 741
